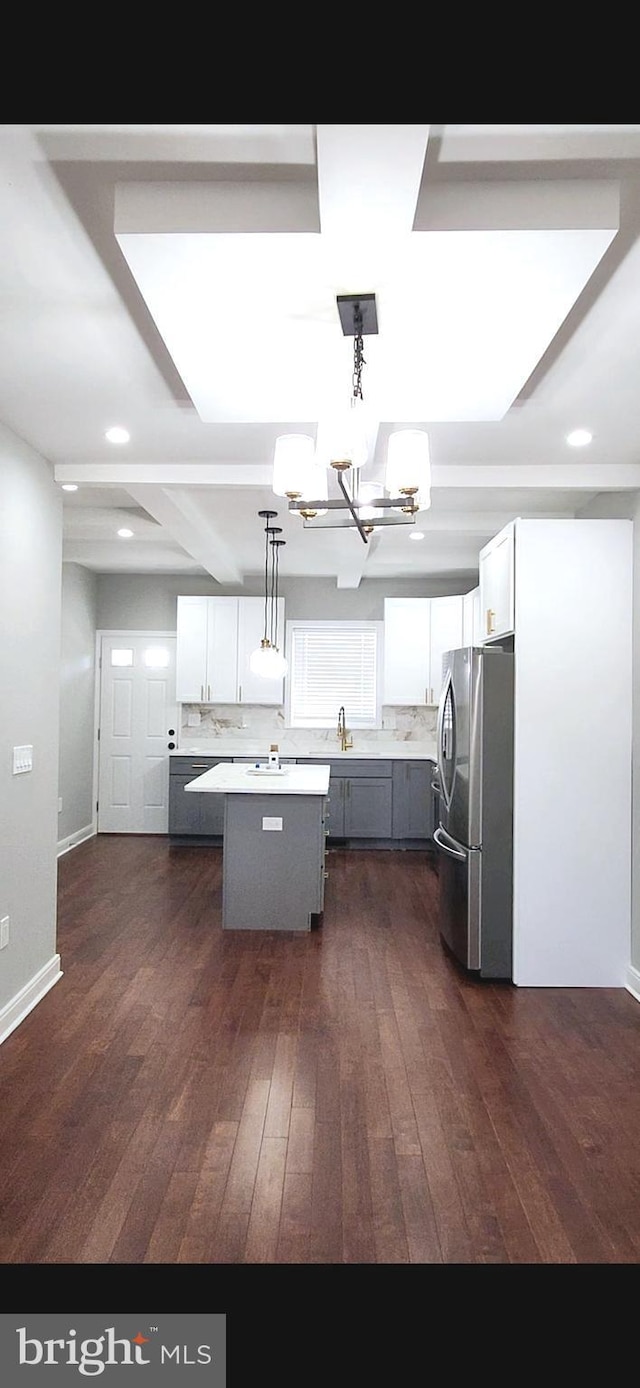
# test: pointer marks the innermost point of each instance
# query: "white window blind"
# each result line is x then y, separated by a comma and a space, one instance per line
333, 664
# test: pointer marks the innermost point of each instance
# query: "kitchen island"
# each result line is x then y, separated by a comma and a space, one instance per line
273, 843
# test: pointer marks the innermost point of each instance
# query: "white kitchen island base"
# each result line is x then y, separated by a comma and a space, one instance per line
273, 865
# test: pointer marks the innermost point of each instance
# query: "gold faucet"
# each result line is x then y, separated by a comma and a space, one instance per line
346, 739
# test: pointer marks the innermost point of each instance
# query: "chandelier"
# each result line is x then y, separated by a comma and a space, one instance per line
300, 463
267, 659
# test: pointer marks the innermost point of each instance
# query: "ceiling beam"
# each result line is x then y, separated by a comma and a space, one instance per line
165, 474
179, 514
583, 477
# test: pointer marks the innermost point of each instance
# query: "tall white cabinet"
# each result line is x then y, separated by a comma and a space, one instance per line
569, 583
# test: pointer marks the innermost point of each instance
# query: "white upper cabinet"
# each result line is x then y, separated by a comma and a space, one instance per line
191, 650
215, 638
407, 636
446, 635
496, 564
472, 634
417, 632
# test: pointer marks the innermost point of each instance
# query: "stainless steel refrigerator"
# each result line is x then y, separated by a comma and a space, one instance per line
475, 832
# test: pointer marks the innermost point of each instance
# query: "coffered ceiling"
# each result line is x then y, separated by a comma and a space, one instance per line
181, 281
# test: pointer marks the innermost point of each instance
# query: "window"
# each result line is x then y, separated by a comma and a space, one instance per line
156, 657
333, 664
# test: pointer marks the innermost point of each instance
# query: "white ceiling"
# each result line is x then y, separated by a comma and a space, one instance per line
182, 281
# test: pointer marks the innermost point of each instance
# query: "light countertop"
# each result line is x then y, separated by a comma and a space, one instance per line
238, 747
232, 779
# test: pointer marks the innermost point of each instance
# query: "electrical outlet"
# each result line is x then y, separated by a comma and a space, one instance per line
4, 932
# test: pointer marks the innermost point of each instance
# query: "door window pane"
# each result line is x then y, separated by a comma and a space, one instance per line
156, 657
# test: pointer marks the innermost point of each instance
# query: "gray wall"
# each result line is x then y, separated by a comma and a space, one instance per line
626, 506
128, 602
77, 693
30, 564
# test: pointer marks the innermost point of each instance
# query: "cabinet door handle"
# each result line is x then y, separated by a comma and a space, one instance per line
201, 693
490, 621
208, 693
240, 694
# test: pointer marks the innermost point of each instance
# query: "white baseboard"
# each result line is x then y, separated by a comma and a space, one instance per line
19, 1007
80, 836
633, 982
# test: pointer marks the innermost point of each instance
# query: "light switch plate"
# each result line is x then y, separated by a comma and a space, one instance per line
272, 822
22, 759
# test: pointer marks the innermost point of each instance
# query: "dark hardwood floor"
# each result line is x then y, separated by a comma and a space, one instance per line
184, 1096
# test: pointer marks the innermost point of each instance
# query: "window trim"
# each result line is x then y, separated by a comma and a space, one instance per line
305, 623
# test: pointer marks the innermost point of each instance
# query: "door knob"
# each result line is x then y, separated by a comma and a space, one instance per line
171, 746
172, 732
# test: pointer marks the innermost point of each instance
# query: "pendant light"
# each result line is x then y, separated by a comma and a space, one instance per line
267, 660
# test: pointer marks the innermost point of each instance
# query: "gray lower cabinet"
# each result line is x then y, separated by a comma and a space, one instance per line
273, 881
413, 800
383, 800
360, 798
194, 816
367, 807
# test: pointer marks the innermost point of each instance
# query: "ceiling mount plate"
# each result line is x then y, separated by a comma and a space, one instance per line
348, 306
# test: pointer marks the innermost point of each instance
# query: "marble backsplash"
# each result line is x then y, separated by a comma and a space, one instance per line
406, 724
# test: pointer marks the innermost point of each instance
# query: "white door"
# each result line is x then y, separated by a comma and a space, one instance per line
138, 721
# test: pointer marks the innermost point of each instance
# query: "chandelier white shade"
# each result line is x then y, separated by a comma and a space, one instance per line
342, 436
293, 465
408, 466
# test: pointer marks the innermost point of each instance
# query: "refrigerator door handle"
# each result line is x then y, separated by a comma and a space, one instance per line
447, 845
440, 740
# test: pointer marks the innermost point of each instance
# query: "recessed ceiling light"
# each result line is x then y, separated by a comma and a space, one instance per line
579, 437
69, 486
417, 535
125, 534
117, 435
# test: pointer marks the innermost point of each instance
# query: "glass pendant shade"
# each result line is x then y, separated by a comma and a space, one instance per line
293, 463
268, 662
409, 466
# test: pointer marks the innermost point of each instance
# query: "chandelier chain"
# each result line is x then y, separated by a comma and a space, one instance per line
358, 354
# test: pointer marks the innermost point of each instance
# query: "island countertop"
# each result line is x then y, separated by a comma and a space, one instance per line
229, 778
